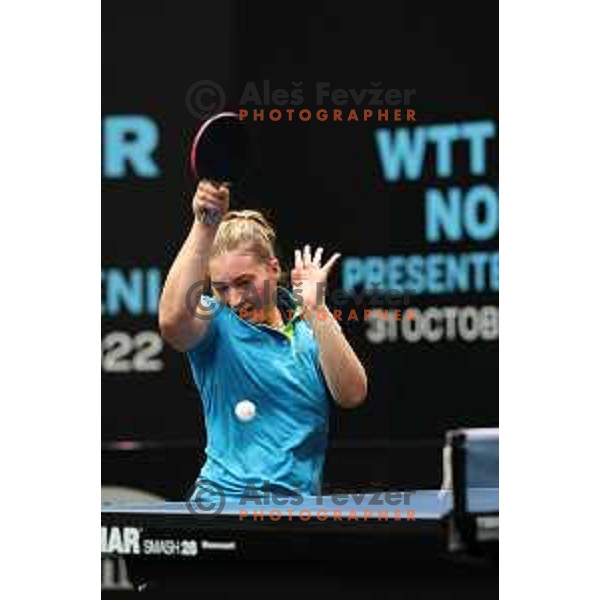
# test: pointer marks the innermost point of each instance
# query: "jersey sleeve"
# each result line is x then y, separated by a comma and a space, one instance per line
214, 325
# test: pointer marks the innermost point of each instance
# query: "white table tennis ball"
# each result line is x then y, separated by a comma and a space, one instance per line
245, 410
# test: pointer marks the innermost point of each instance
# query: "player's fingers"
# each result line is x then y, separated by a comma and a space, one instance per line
327, 266
307, 255
295, 277
221, 192
207, 195
298, 259
213, 186
214, 190
317, 257
206, 190
221, 189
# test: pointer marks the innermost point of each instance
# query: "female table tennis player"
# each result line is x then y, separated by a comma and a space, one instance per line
266, 377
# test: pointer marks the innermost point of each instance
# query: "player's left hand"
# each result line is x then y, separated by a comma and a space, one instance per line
309, 277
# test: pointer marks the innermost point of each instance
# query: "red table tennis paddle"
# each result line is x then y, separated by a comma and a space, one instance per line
220, 153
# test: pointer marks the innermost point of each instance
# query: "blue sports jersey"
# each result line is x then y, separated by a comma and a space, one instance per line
284, 445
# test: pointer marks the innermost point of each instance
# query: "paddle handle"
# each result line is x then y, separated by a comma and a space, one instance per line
209, 216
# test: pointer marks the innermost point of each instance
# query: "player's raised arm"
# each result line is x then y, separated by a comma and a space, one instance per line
178, 325
345, 375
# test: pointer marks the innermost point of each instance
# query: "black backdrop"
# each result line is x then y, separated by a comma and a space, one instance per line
321, 182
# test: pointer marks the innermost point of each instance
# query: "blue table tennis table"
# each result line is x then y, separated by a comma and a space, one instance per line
383, 507
187, 541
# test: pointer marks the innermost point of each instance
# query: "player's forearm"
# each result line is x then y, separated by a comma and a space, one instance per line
343, 371
177, 322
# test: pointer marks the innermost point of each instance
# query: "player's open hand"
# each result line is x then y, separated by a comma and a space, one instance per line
309, 277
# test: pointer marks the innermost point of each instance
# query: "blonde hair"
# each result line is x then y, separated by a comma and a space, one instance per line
247, 230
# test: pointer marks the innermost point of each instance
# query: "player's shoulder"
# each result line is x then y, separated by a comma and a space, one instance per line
209, 308
216, 317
